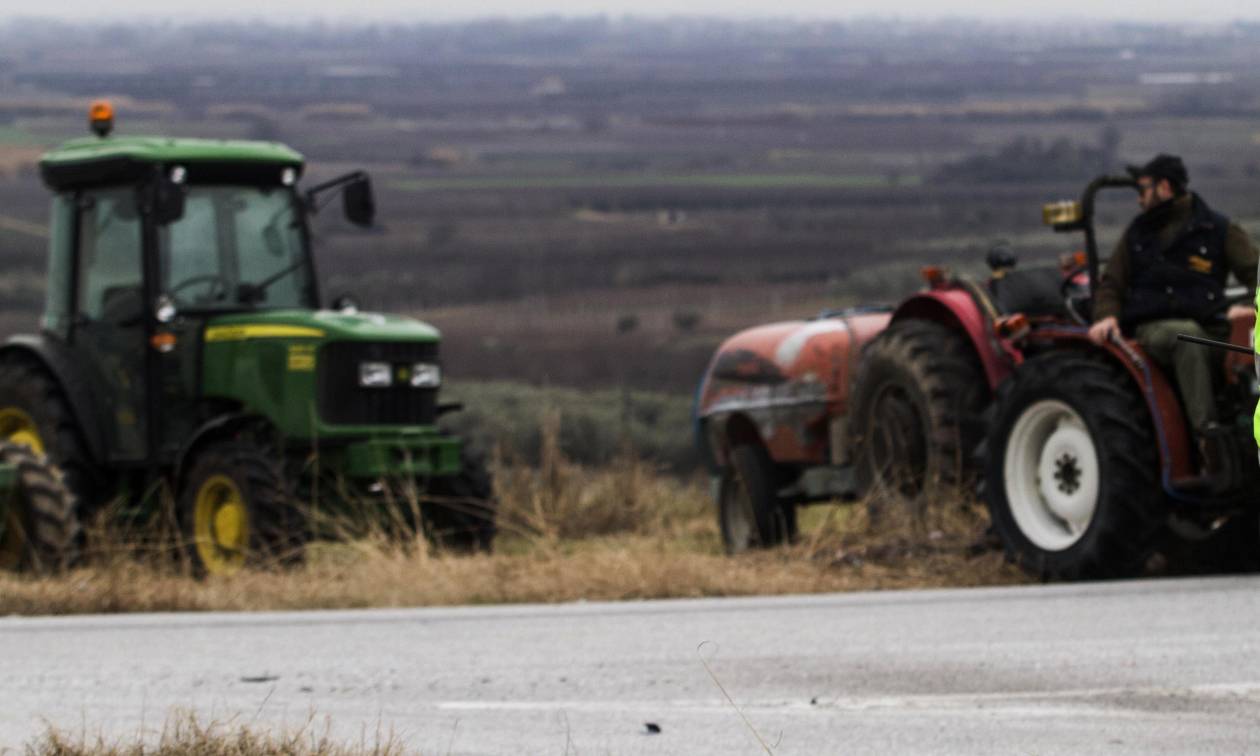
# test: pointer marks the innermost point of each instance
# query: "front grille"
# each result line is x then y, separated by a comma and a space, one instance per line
343, 402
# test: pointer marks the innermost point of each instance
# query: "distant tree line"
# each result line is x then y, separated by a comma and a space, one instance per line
1030, 158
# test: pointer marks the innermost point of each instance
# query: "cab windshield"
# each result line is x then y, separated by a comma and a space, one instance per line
236, 247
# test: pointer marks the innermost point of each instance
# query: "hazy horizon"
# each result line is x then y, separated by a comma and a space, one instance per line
343, 11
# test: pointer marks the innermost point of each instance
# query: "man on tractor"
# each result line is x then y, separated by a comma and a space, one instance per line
1166, 277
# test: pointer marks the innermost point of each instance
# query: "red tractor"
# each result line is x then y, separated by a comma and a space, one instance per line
865, 401
870, 402
1089, 459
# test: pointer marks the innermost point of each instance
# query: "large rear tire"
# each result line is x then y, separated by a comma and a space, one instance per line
750, 513
916, 411
35, 413
41, 530
1071, 470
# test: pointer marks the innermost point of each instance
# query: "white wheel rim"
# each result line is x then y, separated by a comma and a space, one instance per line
1051, 475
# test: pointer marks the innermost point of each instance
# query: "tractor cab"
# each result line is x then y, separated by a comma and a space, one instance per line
153, 239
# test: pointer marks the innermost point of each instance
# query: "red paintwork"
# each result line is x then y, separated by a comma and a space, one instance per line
789, 379
1240, 367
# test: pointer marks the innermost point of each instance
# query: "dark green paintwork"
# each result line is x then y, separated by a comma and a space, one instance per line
168, 150
274, 377
400, 456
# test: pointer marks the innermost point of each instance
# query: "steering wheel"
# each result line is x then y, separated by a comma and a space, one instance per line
217, 291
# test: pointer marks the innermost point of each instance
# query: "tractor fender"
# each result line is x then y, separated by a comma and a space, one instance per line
208, 431
958, 308
1167, 417
54, 357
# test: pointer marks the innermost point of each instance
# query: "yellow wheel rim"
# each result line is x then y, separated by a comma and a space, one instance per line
220, 526
18, 427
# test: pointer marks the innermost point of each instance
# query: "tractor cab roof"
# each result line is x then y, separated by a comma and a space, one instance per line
95, 161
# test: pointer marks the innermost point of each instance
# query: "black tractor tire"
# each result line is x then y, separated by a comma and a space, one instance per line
237, 510
750, 513
459, 512
28, 389
915, 413
41, 531
1071, 470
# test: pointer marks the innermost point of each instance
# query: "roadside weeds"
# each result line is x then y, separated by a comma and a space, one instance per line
567, 533
184, 733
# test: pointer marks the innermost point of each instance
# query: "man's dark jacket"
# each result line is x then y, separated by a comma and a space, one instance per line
1172, 262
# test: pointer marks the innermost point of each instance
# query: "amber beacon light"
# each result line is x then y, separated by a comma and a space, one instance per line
101, 118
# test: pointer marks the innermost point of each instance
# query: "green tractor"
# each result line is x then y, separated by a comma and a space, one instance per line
185, 344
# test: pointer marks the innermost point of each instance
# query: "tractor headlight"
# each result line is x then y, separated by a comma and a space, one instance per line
425, 375
375, 375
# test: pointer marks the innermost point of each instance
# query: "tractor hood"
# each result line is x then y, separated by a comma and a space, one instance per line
302, 371
325, 325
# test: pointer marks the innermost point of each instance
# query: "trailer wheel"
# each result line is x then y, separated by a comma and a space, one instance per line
35, 413
915, 422
236, 510
1072, 470
750, 513
41, 530
460, 514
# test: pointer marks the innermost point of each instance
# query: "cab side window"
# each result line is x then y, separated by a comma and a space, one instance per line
110, 271
57, 304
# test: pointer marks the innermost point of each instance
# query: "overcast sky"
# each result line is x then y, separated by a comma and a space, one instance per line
384, 10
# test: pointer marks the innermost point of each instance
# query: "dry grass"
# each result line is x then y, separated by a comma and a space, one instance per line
183, 734
672, 550
623, 531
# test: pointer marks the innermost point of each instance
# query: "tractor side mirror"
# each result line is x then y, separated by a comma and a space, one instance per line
358, 202
356, 197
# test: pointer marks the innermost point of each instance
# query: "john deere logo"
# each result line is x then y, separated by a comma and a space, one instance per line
402, 374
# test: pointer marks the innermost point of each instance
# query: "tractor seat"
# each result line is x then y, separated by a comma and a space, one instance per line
1035, 290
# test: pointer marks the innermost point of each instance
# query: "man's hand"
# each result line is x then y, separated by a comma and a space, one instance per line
1239, 311
1104, 330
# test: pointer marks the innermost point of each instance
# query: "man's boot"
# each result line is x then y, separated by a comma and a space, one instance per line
1217, 458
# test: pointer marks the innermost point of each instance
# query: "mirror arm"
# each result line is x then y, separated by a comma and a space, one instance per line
311, 196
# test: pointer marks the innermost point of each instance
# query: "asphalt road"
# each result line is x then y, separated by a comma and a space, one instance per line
1137, 667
